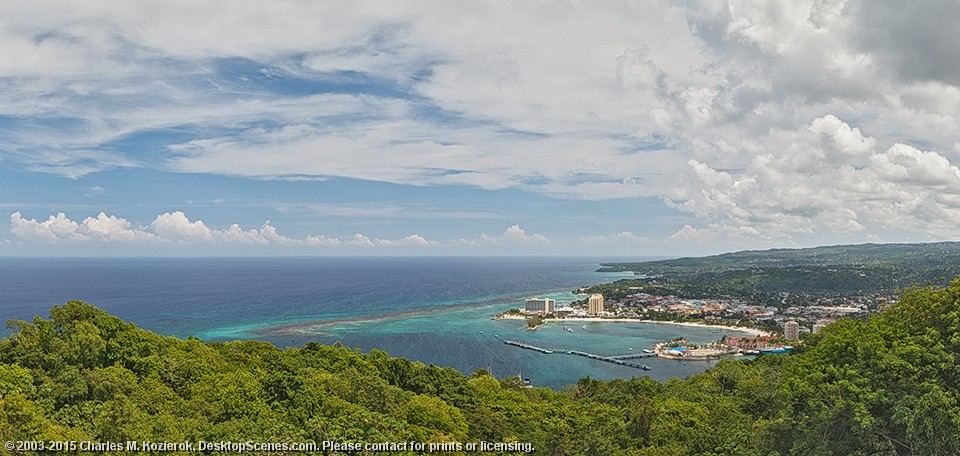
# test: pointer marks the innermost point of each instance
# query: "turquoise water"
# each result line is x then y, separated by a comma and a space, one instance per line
468, 339
432, 309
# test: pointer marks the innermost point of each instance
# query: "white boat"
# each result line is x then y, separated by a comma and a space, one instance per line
584, 327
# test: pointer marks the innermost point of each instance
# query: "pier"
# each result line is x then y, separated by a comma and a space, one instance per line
634, 356
619, 359
528, 346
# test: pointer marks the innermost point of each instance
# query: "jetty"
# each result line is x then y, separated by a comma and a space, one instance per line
634, 356
618, 359
528, 346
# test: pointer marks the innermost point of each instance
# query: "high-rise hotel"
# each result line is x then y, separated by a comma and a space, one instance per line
595, 304
540, 306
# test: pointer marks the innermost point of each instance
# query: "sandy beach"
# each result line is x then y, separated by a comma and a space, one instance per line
754, 331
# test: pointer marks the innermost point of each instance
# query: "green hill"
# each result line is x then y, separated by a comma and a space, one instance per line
885, 386
766, 276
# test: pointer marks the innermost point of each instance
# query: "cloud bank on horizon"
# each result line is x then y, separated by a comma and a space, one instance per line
639, 128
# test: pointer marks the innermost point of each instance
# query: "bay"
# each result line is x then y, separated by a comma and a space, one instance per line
432, 309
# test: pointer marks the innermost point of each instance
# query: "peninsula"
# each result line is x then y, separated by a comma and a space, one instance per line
778, 295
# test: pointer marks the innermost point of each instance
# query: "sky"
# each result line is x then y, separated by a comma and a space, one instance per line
627, 128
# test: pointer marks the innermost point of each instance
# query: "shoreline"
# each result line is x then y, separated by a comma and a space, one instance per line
754, 331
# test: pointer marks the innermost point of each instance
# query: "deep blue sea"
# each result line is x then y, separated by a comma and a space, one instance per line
433, 309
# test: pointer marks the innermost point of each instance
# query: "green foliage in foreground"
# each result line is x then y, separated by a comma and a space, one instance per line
885, 386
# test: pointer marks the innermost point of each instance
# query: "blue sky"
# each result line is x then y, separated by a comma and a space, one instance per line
554, 128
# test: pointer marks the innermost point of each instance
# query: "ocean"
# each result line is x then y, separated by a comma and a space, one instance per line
432, 309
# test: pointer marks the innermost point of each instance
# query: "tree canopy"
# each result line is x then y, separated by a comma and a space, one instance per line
888, 385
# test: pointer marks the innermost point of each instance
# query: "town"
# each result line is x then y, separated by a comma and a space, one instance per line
777, 328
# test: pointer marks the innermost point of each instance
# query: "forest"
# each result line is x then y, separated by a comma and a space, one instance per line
792, 276
887, 385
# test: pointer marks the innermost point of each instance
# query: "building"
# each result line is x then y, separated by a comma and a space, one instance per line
791, 331
818, 326
540, 306
595, 304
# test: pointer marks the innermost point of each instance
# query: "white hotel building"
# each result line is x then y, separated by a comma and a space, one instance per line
540, 306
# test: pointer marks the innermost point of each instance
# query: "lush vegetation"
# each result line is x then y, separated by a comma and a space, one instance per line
793, 276
888, 385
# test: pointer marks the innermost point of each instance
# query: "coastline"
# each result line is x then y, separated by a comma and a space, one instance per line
754, 331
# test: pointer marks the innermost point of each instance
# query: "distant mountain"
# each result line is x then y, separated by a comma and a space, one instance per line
937, 254
840, 270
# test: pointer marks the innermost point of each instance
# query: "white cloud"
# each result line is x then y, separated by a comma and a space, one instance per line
689, 233
513, 235
706, 104
167, 228
60, 230
55, 230
411, 240
516, 234
825, 178
321, 240
106, 228
178, 228
359, 239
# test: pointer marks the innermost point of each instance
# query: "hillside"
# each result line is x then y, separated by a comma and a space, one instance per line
843, 270
885, 386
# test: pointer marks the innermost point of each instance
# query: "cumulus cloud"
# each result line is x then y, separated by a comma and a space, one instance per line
689, 233
360, 240
825, 178
175, 228
60, 230
411, 240
513, 235
321, 240
707, 105
56, 229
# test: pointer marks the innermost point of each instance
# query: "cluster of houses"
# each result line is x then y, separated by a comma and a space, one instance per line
806, 319
793, 321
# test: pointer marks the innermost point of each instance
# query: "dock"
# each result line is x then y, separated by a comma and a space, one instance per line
634, 356
618, 359
528, 346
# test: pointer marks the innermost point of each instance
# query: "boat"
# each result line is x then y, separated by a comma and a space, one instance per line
645, 367
630, 348
567, 328
647, 350
584, 327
